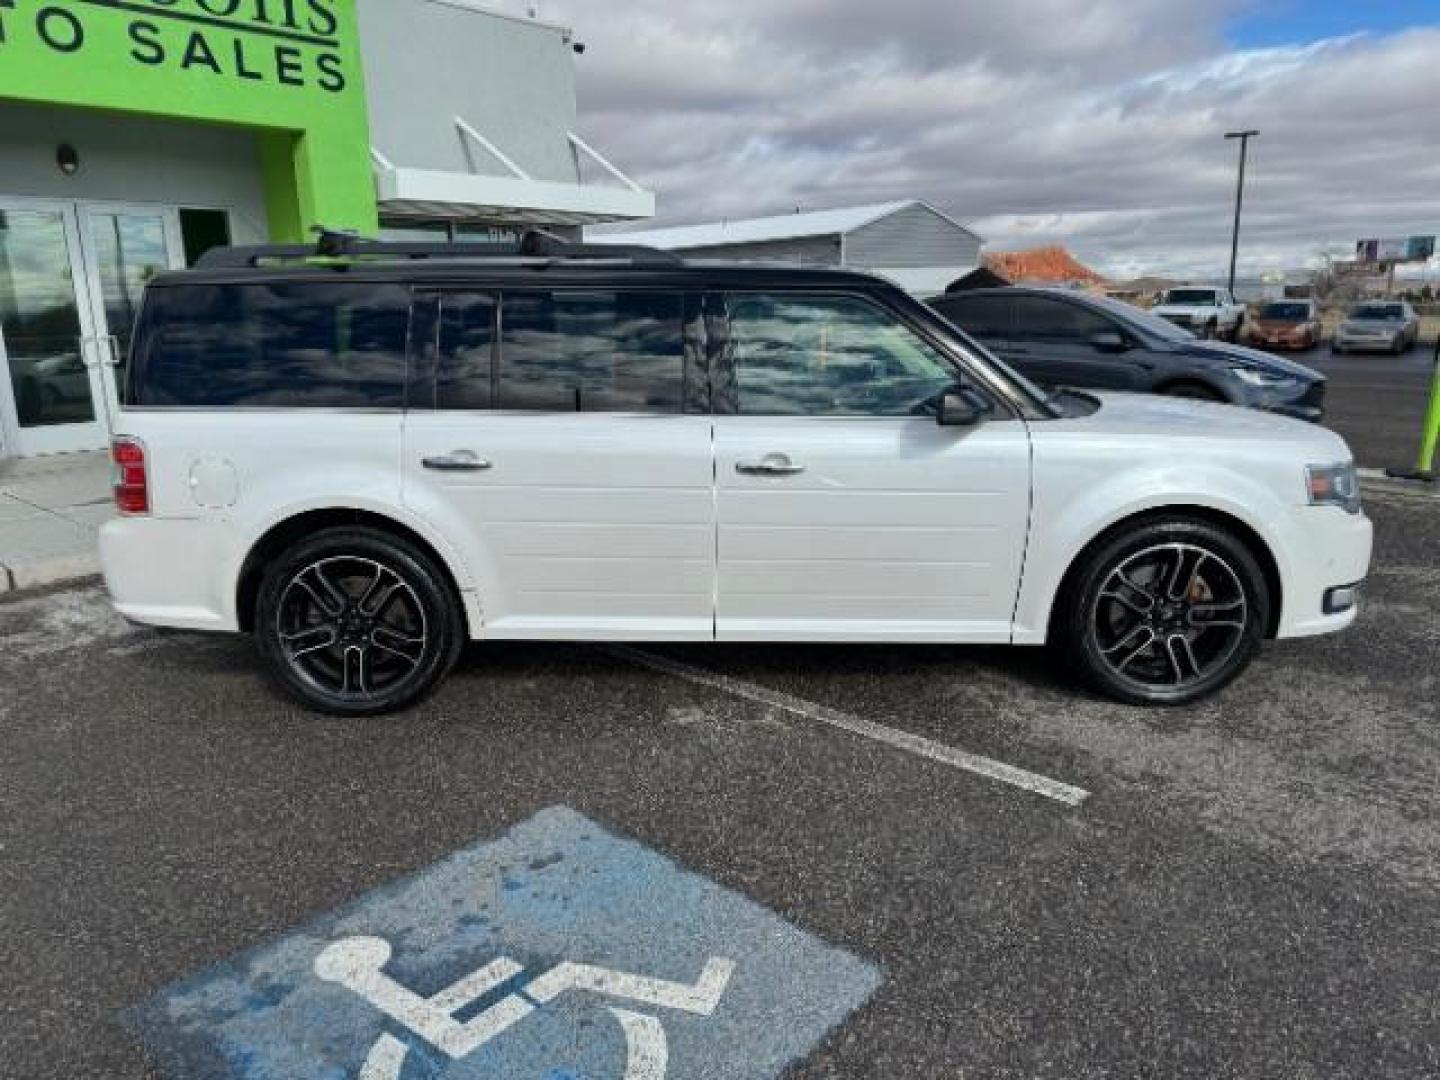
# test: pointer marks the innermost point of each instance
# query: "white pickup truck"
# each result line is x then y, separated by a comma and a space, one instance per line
1207, 312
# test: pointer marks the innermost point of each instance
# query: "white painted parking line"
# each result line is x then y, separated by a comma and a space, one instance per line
900, 740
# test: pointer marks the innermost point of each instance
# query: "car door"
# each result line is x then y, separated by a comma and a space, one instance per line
1058, 341
845, 512
560, 441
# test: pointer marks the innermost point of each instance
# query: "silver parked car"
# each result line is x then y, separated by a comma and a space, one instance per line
1378, 325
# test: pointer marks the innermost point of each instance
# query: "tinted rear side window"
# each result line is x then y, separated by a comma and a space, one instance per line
592, 352
273, 345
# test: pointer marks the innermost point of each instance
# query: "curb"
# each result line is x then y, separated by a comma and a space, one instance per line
41, 573
1375, 482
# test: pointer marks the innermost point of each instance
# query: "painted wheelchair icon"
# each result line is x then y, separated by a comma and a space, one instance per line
358, 964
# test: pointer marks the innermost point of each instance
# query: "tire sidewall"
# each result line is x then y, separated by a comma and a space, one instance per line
436, 597
1080, 640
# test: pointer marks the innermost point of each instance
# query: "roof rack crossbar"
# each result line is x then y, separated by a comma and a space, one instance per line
535, 244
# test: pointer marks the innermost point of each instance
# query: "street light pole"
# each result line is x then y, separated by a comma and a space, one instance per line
1244, 137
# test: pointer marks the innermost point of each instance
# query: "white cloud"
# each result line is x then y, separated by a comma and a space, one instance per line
1095, 123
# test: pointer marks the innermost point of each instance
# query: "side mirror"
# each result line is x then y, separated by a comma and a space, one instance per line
1109, 341
961, 407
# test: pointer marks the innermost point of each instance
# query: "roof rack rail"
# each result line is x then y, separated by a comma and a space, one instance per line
535, 244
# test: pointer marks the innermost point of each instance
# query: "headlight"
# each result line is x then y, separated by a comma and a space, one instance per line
1334, 485
1258, 377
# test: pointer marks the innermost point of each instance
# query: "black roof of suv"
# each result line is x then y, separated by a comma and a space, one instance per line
538, 254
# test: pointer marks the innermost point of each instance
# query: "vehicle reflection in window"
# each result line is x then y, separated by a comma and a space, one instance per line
40, 322
592, 352
276, 346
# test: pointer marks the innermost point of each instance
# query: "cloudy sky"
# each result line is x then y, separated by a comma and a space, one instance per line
1096, 123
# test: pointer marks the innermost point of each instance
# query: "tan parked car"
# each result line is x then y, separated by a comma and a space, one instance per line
1287, 324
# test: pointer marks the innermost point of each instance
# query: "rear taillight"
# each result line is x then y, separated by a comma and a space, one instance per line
132, 479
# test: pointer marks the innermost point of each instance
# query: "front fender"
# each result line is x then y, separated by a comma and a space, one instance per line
1071, 511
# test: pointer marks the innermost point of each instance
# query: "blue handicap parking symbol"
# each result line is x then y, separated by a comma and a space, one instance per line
556, 952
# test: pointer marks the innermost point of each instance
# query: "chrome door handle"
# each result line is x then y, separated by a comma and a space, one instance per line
770, 465
459, 461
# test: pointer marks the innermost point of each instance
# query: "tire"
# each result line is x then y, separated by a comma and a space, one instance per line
1210, 332
1135, 635
1193, 391
356, 622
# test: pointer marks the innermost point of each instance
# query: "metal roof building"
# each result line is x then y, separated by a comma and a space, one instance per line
909, 241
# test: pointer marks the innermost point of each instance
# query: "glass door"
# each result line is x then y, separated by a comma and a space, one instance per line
52, 396
125, 246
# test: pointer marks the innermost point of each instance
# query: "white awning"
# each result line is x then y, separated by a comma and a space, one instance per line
518, 197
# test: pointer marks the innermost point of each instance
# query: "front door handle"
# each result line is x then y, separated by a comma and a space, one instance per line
458, 461
770, 465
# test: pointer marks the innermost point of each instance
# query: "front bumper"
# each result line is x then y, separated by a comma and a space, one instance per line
1332, 551
1285, 340
1366, 342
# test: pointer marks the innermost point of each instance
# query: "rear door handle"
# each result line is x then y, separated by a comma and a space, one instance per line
458, 461
770, 465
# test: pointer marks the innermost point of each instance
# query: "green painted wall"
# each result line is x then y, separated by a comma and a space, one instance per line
290, 69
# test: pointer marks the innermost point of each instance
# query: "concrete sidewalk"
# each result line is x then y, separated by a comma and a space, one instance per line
51, 510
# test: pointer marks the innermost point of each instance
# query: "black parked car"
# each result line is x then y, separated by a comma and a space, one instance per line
1059, 338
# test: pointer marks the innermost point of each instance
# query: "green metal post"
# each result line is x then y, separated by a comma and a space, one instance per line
1431, 438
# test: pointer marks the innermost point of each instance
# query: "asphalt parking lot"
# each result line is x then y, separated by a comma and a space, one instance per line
1246, 888
1377, 401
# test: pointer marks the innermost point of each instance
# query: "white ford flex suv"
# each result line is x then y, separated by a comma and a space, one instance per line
368, 459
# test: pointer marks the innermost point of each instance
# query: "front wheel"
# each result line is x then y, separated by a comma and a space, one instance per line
1165, 613
356, 622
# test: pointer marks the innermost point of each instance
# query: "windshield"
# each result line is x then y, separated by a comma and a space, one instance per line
1139, 317
1384, 312
1286, 312
1190, 296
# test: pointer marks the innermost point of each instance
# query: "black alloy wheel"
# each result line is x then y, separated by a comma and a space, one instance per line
356, 622
1167, 613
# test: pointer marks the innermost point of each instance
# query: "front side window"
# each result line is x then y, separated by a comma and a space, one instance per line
591, 351
298, 344
829, 356
1043, 319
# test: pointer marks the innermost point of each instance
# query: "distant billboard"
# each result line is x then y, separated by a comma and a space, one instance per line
1396, 250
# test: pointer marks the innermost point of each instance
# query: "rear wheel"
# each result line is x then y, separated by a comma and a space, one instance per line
1165, 613
356, 622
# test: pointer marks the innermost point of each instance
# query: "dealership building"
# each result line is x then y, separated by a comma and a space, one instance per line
135, 136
